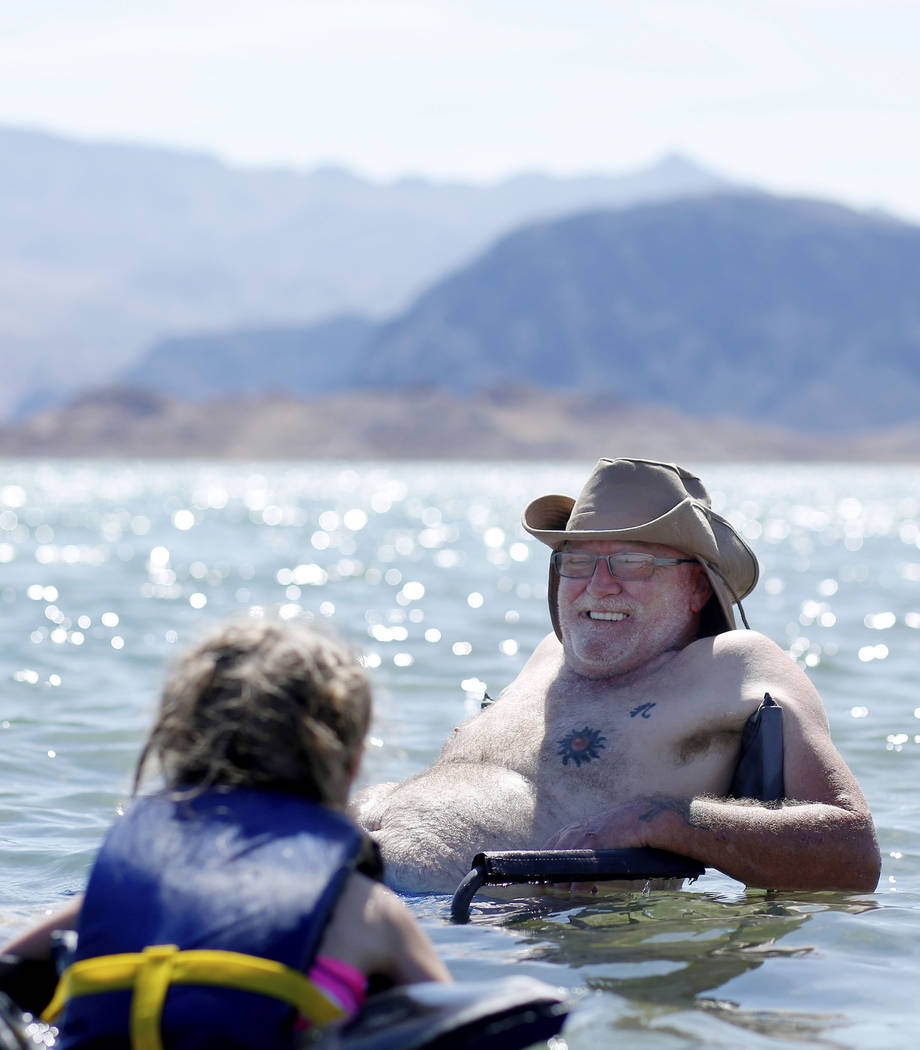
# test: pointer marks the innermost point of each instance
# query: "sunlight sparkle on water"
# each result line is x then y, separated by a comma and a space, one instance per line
381, 633
13, 496
354, 520
873, 652
494, 537
308, 575
183, 520
473, 686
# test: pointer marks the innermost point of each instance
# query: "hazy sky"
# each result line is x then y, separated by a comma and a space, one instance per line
812, 96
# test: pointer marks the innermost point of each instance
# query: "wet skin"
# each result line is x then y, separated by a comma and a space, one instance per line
627, 734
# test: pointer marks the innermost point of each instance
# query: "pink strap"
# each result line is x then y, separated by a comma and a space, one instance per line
340, 982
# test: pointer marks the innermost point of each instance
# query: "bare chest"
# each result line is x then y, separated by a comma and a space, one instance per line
585, 745
633, 744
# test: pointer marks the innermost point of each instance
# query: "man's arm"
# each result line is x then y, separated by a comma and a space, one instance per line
430, 826
806, 846
820, 838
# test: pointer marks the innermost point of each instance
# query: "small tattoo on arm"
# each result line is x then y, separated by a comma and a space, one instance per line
581, 745
659, 805
643, 710
680, 806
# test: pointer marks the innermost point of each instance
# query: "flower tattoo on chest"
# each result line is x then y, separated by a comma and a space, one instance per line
581, 745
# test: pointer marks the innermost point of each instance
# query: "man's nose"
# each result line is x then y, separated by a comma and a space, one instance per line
602, 582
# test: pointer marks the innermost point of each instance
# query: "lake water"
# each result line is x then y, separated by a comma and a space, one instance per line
108, 569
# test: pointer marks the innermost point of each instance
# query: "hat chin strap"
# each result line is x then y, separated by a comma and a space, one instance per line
731, 591
553, 595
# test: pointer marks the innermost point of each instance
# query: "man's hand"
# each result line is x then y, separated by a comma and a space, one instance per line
621, 827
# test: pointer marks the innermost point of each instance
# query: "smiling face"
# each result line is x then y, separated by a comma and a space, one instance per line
611, 627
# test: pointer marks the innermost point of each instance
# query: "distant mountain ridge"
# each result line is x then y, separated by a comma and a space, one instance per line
791, 312
107, 248
306, 361
521, 424
801, 312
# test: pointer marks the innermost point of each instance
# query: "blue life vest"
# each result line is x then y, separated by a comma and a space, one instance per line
252, 873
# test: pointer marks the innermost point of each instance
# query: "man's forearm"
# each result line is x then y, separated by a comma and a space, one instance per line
417, 857
808, 846
430, 827
420, 862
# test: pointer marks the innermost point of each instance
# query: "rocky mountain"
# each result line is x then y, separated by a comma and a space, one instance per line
793, 311
789, 312
106, 248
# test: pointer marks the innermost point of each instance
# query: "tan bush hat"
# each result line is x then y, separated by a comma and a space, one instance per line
651, 502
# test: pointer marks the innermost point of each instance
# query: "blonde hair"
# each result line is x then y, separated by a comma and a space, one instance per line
262, 704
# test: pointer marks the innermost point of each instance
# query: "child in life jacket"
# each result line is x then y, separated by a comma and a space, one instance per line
238, 905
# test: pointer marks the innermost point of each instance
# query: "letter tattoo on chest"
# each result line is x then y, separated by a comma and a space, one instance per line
643, 710
581, 745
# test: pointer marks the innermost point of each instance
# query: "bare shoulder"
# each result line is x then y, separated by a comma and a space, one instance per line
547, 653
749, 664
734, 654
374, 931
814, 769
484, 737
745, 645
359, 931
548, 646
767, 668
759, 657
366, 806
370, 901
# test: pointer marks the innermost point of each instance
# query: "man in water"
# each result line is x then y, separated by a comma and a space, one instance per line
623, 728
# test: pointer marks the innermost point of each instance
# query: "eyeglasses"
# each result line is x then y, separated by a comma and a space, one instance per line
629, 565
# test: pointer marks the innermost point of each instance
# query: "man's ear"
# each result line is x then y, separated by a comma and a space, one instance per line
702, 590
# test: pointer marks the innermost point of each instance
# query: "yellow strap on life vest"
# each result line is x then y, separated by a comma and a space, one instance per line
151, 972
150, 987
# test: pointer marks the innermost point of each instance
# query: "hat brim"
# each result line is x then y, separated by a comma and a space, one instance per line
690, 527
